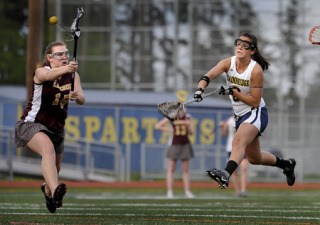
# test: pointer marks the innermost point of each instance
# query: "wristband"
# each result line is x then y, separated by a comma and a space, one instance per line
205, 78
200, 89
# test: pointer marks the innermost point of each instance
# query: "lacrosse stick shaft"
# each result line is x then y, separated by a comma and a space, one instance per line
204, 96
74, 59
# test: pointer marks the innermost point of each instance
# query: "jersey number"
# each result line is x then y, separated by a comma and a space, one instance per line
181, 130
62, 102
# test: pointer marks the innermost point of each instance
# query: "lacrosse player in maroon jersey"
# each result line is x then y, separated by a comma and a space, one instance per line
180, 149
244, 77
41, 126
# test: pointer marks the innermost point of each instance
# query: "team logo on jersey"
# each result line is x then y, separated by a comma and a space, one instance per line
238, 81
63, 87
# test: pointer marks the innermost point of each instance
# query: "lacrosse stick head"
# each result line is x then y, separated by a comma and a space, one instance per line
171, 110
314, 35
75, 30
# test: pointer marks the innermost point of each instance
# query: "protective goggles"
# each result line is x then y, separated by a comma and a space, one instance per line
247, 45
60, 55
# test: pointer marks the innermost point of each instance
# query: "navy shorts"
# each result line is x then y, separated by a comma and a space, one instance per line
258, 117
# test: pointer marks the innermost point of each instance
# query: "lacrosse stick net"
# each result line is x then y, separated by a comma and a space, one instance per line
172, 110
314, 35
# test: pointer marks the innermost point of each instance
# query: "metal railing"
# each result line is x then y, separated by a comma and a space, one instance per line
82, 160
153, 161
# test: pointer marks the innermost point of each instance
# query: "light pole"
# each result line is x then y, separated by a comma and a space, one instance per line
33, 41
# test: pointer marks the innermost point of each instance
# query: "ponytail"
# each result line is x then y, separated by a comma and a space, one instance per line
257, 56
260, 60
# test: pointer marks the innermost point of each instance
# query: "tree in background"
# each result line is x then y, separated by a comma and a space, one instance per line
13, 41
289, 76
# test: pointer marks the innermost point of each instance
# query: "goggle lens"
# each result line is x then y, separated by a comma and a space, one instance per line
245, 44
60, 55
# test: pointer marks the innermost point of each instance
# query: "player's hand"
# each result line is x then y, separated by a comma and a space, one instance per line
228, 91
198, 95
73, 96
235, 89
222, 91
72, 66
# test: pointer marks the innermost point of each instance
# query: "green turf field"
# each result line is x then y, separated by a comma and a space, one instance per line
150, 207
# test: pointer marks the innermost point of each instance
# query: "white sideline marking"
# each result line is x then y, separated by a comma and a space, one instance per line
172, 215
176, 209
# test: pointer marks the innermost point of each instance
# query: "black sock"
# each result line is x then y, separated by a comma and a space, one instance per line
231, 167
281, 163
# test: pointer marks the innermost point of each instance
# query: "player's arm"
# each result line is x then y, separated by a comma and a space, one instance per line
256, 88
216, 71
163, 125
43, 74
204, 81
77, 95
190, 127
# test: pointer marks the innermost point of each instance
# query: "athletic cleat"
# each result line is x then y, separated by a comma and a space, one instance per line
59, 194
289, 172
170, 194
220, 177
242, 194
51, 206
189, 194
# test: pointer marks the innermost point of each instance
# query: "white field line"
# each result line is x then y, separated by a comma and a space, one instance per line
175, 210
207, 212
252, 207
173, 215
175, 206
121, 195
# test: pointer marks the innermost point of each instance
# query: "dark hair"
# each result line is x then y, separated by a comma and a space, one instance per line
48, 50
256, 56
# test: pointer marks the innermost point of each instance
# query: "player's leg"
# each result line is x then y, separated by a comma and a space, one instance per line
235, 179
58, 162
170, 177
236, 182
243, 137
186, 178
258, 157
41, 144
61, 190
243, 177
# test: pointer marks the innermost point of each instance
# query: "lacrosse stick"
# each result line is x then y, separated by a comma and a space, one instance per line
75, 31
314, 35
171, 110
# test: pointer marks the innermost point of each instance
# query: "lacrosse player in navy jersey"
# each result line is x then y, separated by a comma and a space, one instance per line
41, 126
180, 149
244, 78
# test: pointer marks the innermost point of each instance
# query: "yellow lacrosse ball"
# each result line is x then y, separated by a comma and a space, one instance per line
53, 20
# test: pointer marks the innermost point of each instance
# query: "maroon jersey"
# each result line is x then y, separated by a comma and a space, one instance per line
181, 132
49, 103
